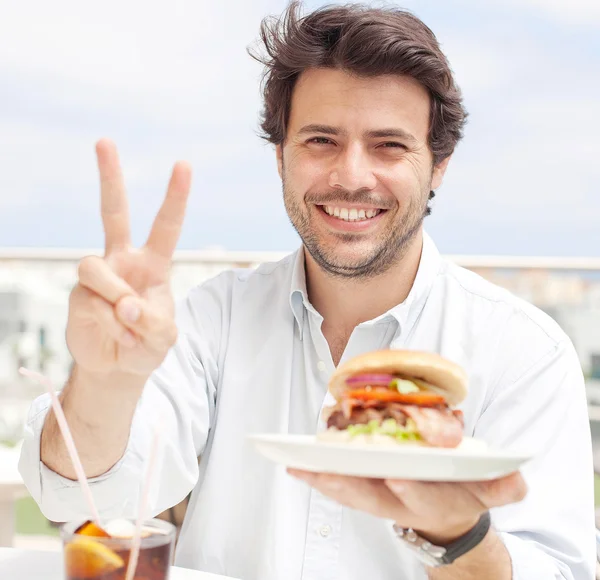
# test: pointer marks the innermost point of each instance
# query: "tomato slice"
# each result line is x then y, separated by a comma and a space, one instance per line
370, 380
421, 398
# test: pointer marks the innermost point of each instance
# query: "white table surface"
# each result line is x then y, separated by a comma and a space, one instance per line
37, 565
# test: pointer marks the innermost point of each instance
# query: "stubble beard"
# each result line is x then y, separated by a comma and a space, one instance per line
390, 248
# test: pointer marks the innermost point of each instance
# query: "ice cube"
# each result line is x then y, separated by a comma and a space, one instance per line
120, 528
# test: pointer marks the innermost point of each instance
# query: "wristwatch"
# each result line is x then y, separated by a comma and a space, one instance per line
436, 556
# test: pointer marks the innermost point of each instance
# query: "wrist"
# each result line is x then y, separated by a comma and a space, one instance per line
99, 409
90, 398
83, 379
441, 549
447, 535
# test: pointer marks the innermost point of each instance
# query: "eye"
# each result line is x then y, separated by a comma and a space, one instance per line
320, 141
392, 145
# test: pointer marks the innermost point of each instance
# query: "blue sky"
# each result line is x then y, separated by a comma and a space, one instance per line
171, 80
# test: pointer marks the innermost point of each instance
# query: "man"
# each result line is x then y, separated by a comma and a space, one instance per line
365, 114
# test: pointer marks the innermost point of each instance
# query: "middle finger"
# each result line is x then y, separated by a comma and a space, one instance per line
435, 502
169, 220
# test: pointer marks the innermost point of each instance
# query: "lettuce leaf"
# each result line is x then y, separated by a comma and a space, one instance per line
388, 427
404, 386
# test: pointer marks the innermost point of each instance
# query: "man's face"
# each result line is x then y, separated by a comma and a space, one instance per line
356, 168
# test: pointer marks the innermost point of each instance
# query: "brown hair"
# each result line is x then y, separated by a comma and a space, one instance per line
363, 41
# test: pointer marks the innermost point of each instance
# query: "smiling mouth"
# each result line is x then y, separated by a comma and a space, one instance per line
352, 214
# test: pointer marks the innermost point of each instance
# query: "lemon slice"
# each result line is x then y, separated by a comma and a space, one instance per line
87, 558
91, 529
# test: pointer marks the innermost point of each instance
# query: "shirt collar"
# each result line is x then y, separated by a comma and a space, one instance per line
405, 313
298, 293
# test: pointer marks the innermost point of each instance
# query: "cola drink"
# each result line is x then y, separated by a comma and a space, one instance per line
102, 553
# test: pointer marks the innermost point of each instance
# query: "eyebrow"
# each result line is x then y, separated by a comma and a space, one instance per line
372, 134
395, 133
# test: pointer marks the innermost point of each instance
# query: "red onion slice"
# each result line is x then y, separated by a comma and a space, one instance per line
370, 379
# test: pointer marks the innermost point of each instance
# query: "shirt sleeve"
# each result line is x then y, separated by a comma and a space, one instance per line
181, 393
550, 535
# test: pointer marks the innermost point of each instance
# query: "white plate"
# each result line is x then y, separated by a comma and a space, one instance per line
472, 461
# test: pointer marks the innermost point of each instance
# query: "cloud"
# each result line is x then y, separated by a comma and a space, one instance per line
164, 80
180, 63
127, 45
32, 167
577, 12
173, 80
543, 173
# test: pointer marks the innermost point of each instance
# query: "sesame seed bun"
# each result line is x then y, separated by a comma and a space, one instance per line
441, 375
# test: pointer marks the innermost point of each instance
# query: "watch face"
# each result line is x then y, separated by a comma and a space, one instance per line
426, 558
426, 552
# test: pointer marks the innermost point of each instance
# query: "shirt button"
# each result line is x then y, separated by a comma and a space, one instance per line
321, 366
325, 531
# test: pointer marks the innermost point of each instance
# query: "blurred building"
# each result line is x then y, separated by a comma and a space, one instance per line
566, 289
35, 286
34, 295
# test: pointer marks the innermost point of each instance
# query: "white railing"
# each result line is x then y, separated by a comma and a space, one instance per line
256, 257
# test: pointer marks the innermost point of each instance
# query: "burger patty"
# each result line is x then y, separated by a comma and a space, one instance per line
438, 426
362, 415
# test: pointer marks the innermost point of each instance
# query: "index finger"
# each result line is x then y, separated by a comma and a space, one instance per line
167, 225
113, 200
511, 488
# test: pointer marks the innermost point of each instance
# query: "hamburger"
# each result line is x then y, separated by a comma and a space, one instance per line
397, 397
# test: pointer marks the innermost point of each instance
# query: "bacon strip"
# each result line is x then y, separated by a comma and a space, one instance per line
438, 428
347, 406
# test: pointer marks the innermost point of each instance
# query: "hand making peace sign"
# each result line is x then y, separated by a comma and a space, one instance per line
121, 312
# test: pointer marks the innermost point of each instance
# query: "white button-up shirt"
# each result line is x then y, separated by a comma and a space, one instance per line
251, 358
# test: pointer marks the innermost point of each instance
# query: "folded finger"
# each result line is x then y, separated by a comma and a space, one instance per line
96, 275
155, 328
498, 492
99, 311
438, 507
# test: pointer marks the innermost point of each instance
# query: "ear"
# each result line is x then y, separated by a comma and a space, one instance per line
279, 154
438, 173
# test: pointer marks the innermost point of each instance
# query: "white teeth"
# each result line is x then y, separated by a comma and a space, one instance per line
350, 215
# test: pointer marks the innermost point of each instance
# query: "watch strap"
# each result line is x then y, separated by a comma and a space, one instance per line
433, 555
469, 540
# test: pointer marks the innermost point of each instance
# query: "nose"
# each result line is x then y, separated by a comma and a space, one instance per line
352, 169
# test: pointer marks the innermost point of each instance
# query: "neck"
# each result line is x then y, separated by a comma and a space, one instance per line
346, 302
